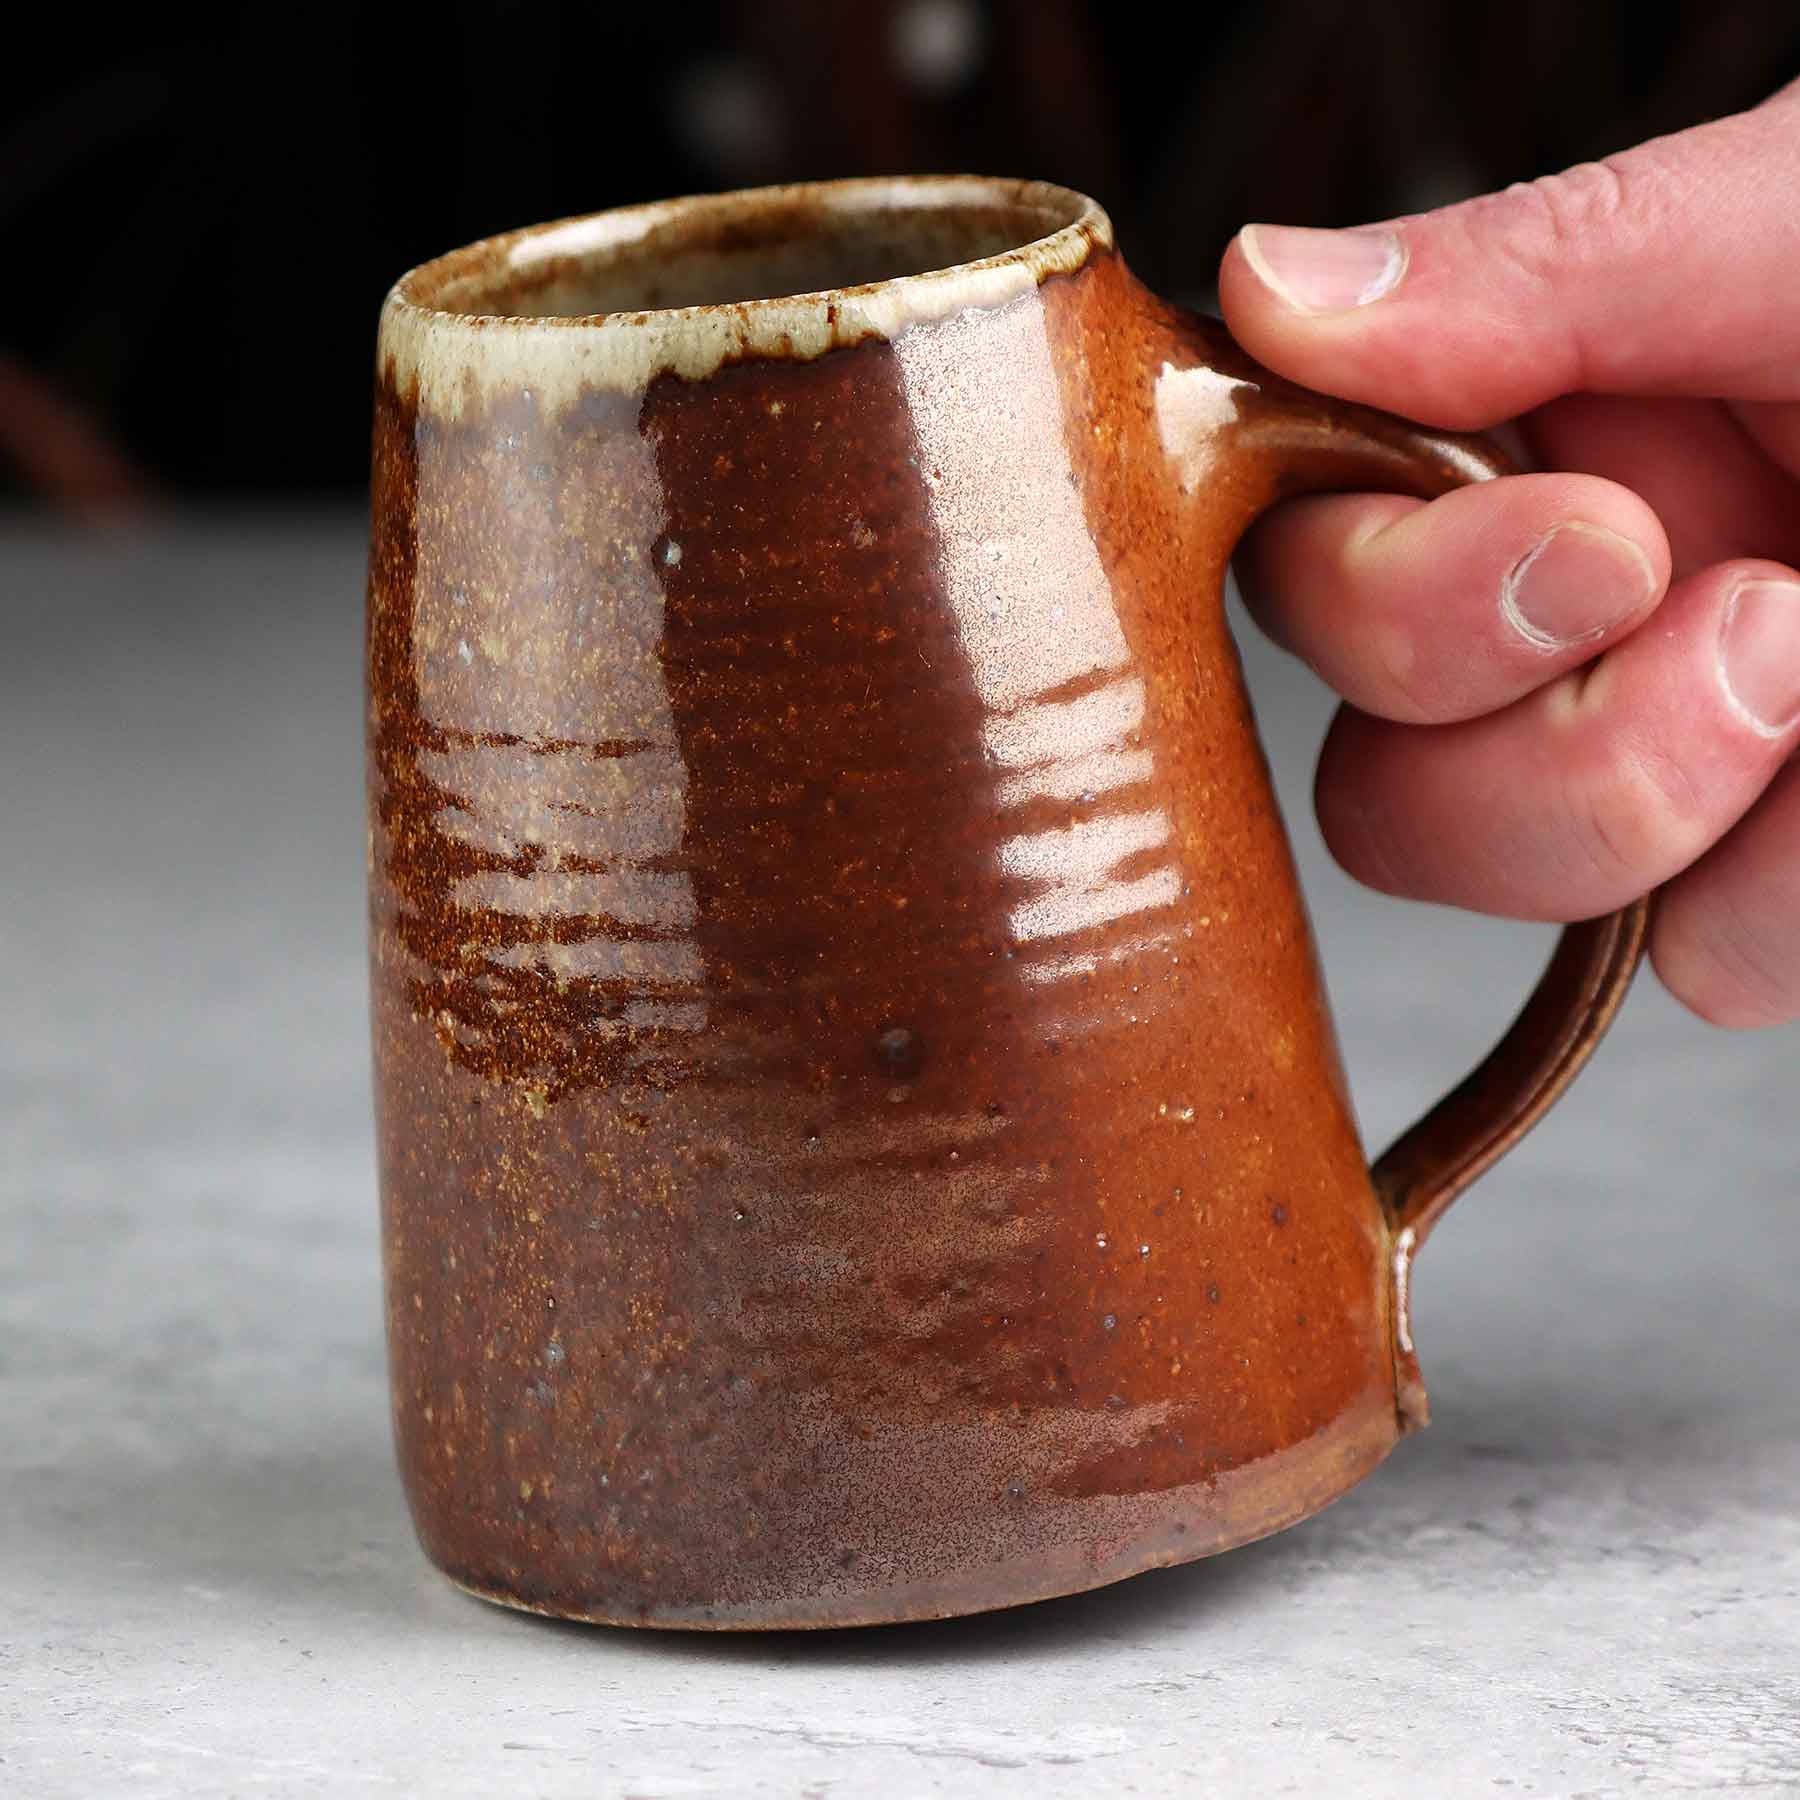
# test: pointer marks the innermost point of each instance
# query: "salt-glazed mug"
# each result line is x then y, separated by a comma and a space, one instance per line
861, 1135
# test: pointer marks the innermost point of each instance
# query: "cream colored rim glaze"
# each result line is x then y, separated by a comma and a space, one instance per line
434, 331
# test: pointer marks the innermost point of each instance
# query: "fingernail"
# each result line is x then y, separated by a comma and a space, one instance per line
1574, 585
1759, 654
1325, 271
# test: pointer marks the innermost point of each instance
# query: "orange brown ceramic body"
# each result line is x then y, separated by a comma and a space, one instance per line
861, 1136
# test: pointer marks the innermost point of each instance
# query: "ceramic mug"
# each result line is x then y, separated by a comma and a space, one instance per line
861, 1135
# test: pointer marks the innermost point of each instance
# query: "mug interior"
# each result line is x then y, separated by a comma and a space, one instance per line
726, 249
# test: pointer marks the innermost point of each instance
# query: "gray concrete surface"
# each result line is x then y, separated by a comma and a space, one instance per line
1584, 1580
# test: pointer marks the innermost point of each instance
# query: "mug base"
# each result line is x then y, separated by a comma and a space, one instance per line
967, 1592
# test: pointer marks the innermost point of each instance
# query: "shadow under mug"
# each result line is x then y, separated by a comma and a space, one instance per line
861, 1135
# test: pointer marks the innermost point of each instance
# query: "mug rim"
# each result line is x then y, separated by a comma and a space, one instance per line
425, 336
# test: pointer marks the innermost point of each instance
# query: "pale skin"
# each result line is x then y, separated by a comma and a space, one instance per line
1566, 689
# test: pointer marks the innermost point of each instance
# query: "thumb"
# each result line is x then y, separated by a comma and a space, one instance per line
1669, 269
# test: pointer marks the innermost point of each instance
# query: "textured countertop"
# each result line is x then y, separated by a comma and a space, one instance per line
1583, 1580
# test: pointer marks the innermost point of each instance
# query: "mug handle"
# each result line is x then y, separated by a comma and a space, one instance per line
1301, 442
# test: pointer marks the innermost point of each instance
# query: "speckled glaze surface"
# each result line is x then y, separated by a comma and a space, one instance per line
861, 1135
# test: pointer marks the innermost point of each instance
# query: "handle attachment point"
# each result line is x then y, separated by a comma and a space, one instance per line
1302, 442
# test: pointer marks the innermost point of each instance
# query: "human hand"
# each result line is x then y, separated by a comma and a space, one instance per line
1566, 689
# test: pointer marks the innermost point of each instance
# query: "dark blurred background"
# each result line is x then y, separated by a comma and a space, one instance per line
201, 210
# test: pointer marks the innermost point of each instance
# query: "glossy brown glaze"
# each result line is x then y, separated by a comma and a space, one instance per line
861, 1136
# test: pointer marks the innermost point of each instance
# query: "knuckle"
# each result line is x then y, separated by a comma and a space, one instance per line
1403, 684
1543, 226
1640, 823
1538, 232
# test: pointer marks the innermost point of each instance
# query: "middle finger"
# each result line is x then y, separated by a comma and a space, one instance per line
1427, 613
